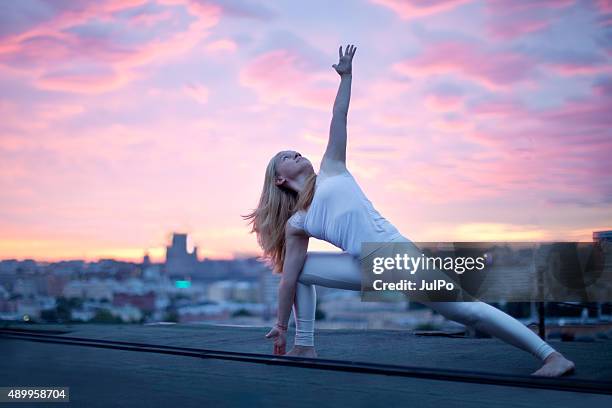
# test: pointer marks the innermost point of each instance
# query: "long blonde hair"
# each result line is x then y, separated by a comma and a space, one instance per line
276, 205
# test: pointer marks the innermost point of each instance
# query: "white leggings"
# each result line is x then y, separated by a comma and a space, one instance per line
342, 271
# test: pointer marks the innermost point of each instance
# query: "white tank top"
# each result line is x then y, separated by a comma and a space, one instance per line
341, 214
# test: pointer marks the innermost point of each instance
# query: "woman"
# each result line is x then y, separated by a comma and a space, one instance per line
297, 203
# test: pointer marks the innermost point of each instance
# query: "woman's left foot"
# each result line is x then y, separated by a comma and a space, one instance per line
555, 365
302, 351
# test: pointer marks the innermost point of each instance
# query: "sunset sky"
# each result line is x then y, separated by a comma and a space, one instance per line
123, 121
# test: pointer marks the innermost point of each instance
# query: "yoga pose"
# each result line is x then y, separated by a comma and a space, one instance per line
297, 203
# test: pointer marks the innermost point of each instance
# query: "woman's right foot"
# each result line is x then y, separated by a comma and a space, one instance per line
555, 365
302, 351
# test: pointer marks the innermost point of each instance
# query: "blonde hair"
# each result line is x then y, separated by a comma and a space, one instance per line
276, 205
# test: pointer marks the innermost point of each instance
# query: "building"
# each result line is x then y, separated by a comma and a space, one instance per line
180, 263
601, 236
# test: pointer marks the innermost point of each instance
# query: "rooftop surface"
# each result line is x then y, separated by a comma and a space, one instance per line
106, 377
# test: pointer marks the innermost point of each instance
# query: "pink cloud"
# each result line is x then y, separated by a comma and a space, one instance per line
236, 8
578, 121
457, 124
151, 19
507, 19
501, 107
590, 112
284, 75
509, 29
67, 14
198, 92
570, 68
510, 6
415, 9
561, 151
604, 6
50, 49
389, 119
443, 103
385, 90
603, 88
84, 82
557, 155
222, 45
446, 180
493, 69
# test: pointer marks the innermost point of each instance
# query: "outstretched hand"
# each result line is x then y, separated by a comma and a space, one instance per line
280, 340
345, 64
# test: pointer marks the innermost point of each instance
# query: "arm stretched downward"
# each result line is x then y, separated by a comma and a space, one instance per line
296, 247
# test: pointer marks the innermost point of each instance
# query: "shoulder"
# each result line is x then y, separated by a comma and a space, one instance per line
330, 174
330, 167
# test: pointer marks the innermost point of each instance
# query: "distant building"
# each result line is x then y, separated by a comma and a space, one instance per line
245, 292
179, 262
126, 313
146, 260
89, 289
56, 284
25, 287
144, 301
4, 294
151, 272
220, 291
268, 292
600, 236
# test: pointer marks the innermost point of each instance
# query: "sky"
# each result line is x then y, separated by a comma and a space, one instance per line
124, 121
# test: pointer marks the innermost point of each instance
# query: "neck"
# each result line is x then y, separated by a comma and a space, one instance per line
299, 183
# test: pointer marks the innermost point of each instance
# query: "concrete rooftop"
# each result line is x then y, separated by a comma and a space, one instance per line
102, 377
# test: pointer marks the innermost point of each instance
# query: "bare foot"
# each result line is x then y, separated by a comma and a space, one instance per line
302, 351
555, 365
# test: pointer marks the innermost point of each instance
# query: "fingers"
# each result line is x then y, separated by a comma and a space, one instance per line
279, 345
349, 51
279, 350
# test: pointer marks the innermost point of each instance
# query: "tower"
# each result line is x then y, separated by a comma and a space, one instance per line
179, 262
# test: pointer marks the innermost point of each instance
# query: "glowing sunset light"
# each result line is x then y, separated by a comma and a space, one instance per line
126, 121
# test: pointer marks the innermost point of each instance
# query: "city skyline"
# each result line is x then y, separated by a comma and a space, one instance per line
125, 121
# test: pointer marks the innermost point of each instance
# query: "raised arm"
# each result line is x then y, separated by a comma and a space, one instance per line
296, 247
334, 159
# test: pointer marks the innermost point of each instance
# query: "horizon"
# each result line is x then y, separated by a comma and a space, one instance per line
161, 259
